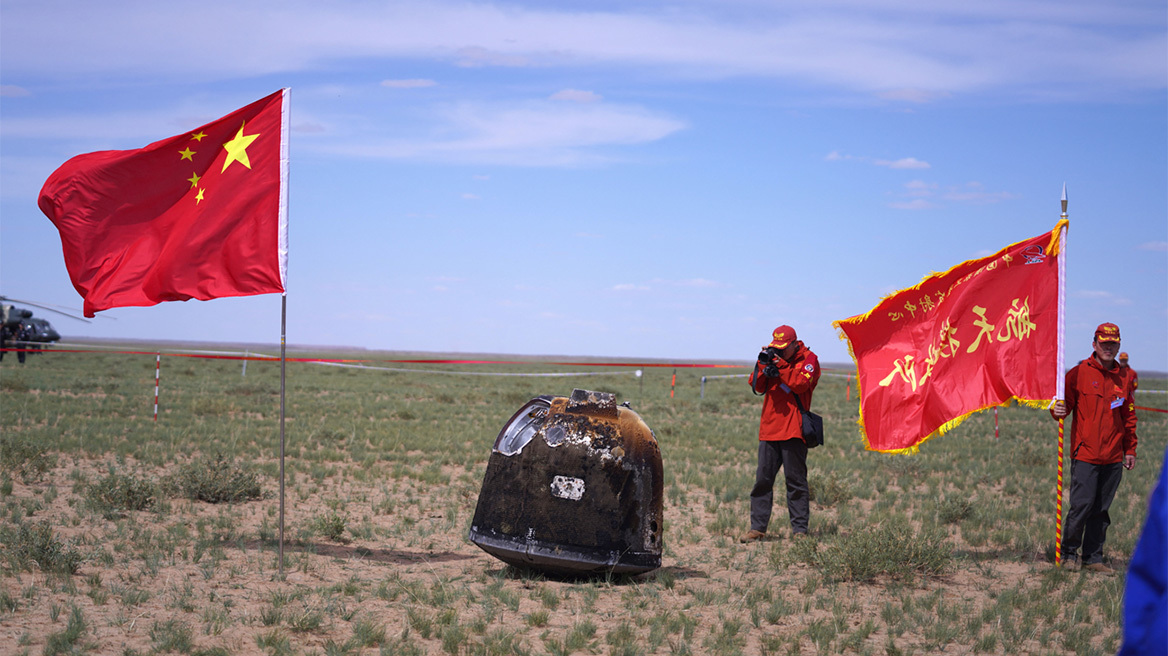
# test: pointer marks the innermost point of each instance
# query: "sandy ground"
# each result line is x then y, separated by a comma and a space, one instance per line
208, 572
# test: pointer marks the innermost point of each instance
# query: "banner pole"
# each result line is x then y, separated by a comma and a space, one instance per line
1060, 381
283, 368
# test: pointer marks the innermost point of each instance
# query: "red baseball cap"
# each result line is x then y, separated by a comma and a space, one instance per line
1107, 332
782, 337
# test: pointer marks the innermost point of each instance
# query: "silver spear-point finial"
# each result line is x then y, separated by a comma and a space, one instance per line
1064, 200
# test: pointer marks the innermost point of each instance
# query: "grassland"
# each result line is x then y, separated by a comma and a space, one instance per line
122, 535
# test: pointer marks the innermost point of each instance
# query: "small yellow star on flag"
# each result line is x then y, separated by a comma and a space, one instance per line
194, 180
199, 196
198, 136
187, 153
237, 148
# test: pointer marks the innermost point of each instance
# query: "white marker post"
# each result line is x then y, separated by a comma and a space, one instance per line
157, 372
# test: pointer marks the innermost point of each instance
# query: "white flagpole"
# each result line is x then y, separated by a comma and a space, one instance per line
1060, 379
1062, 299
285, 110
283, 368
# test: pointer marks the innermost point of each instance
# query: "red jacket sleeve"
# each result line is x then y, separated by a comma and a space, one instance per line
1129, 425
802, 375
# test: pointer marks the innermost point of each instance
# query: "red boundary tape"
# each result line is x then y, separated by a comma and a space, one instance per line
268, 358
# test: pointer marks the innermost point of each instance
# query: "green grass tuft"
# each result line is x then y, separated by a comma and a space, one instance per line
216, 480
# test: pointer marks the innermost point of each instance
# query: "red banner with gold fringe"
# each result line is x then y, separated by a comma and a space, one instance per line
979, 335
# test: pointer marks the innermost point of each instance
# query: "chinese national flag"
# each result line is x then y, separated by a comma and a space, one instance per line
200, 215
977, 336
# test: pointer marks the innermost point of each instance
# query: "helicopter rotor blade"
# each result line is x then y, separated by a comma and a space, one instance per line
47, 307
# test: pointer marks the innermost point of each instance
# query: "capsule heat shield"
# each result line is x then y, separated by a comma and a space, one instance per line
573, 486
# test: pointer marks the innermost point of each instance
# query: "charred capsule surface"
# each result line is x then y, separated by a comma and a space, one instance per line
573, 486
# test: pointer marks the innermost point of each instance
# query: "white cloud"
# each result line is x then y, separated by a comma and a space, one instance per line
919, 188
408, 84
1161, 246
1105, 297
978, 196
575, 95
13, 91
918, 96
836, 156
478, 56
915, 204
698, 282
903, 163
537, 133
884, 49
922, 194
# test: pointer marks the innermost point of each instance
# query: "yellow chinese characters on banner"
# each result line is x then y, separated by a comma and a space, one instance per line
982, 334
1017, 326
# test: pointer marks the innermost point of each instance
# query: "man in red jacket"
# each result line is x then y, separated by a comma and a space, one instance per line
1131, 374
1103, 444
785, 368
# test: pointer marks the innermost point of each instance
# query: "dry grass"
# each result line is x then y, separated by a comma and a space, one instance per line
944, 552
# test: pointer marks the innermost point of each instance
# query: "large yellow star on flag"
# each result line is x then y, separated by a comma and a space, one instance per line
237, 148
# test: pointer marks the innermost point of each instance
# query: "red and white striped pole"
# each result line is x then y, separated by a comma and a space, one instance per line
157, 371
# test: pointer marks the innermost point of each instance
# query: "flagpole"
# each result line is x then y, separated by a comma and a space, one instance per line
1060, 380
284, 315
285, 123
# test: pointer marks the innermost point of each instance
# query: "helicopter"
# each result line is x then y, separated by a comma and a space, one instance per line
17, 323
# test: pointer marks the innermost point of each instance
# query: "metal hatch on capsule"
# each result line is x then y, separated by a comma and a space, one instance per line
573, 486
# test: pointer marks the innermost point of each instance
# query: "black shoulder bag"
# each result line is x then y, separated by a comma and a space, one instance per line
812, 425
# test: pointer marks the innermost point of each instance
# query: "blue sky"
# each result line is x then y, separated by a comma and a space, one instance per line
627, 179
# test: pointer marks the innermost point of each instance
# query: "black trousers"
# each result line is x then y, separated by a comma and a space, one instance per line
1092, 490
791, 456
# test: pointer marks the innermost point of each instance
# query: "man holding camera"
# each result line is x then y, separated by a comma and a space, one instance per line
786, 370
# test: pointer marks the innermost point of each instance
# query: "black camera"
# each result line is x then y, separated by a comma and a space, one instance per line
768, 358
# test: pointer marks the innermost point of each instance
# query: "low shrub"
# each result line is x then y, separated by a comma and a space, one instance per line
21, 455
890, 549
331, 525
116, 494
829, 490
216, 480
35, 544
953, 509
68, 641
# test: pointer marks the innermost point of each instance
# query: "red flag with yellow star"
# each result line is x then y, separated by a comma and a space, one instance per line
200, 215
